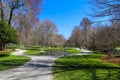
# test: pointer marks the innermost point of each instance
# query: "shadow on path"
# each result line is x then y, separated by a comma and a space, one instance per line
39, 68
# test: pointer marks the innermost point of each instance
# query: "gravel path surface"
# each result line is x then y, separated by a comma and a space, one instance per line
39, 68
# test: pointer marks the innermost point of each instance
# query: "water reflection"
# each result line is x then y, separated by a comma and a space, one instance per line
54, 53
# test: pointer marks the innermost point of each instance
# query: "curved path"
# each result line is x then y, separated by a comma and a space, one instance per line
39, 68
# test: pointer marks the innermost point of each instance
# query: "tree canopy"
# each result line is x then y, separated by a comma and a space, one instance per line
7, 34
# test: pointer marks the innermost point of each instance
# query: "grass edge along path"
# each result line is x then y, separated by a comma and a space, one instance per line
32, 52
73, 51
11, 61
36, 50
88, 67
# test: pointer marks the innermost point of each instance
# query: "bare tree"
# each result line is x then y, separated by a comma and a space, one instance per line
74, 40
104, 8
46, 31
58, 40
26, 19
107, 39
85, 26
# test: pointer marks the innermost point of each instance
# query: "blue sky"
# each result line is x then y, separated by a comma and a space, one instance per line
65, 13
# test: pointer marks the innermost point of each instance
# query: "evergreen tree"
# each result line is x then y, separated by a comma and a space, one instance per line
7, 34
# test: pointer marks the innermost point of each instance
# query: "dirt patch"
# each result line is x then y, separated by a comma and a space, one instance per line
115, 60
2, 51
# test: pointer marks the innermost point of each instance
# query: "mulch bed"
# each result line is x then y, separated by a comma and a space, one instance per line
115, 60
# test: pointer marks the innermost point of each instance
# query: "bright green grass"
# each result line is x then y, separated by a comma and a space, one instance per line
73, 51
117, 48
32, 52
88, 67
10, 61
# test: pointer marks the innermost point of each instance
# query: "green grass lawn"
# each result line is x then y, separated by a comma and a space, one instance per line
10, 61
73, 51
32, 52
118, 48
89, 67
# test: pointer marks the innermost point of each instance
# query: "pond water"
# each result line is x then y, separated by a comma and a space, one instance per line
54, 53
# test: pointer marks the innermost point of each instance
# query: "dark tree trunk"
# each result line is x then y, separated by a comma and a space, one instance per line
2, 46
10, 17
2, 12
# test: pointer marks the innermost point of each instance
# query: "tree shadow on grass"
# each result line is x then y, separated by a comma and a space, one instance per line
96, 72
9, 64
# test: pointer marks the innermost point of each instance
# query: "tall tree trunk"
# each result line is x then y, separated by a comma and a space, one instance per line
0, 45
4, 46
10, 17
2, 12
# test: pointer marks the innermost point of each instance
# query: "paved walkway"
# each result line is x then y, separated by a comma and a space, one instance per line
39, 68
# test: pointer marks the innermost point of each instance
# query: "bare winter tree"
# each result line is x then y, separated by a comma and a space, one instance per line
107, 37
26, 19
104, 8
58, 40
85, 26
23, 6
74, 40
46, 32
22, 14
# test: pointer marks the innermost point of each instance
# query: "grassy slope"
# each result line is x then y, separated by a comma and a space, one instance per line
32, 52
10, 61
73, 51
88, 67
